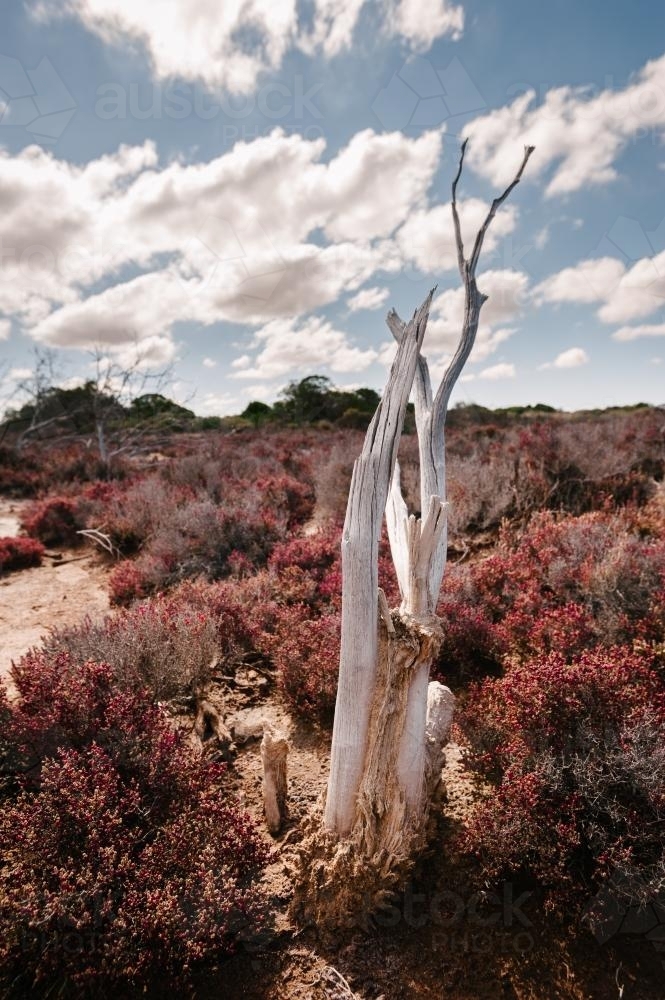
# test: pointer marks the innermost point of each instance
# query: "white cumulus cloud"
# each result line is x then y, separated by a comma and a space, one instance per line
368, 298
287, 345
578, 132
588, 281
621, 292
574, 357
427, 238
224, 240
645, 330
232, 45
495, 372
506, 291
422, 21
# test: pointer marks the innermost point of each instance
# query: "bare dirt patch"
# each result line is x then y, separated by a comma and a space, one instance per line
69, 585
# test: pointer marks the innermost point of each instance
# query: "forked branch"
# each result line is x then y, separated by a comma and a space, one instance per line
478, 245
473, 298
431, 412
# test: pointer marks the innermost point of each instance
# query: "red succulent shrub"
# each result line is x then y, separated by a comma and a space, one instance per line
54, 521
316, 553
129, 582
576, 799
20, 474
305, 651
290, 496
542, 702
565, 583
19, 553
471, 646
234, 608
309, 569
180, 535
126, 861
568, 630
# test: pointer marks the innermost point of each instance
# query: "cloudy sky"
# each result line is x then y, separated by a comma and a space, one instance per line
244, 187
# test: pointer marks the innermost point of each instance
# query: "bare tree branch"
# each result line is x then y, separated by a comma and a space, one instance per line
461, 263
478, 245
473, 299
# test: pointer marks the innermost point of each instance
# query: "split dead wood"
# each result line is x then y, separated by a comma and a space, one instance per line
274, 753
389, 724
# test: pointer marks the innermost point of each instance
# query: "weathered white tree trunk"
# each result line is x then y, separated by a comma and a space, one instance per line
387, 739
368, 496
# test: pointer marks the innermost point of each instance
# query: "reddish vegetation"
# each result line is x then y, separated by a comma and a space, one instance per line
19, 553
578, 753
37, 469
126, 862
54, 521
565, 583
226, 556
162, 645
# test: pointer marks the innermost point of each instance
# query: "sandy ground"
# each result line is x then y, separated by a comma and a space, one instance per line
59, 592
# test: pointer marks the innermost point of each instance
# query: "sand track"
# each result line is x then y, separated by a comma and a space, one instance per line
59, 592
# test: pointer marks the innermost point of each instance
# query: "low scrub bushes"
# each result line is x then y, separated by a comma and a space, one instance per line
19, 473
132, 580
19, 553
577, 752
565, 584
238, 609
36, 468
130, 514
201, 537
54, 521
471, 647
305, 651
507, 467
126, 863
179, 534
308, 569
163, 645
285, 494
300, 630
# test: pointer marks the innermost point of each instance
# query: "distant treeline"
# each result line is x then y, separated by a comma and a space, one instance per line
312, 401
316, 401
56, 411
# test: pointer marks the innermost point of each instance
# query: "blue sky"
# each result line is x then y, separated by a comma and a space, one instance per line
244, 189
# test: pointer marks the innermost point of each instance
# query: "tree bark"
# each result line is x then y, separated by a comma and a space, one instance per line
368, 495
274, 753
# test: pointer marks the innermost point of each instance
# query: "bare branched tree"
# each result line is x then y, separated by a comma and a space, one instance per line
34, 390
117, 387
390, 723
103, 411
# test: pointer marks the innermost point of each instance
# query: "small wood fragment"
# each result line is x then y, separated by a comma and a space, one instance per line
274, 753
